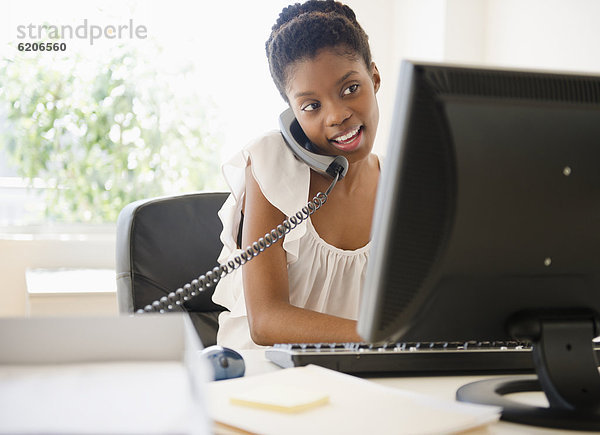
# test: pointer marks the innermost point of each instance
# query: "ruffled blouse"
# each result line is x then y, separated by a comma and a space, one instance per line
321, 277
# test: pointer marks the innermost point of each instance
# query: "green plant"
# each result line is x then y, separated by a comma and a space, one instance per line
103, 132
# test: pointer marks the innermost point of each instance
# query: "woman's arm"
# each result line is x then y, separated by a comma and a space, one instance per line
272, 319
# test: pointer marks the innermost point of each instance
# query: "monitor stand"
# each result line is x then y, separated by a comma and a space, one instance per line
567, 372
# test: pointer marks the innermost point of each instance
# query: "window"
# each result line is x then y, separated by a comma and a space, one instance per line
127, 100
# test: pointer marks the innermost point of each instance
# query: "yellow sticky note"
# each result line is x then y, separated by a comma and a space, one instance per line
282, 398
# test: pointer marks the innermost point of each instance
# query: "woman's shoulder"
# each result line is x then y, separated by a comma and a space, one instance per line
268, 145
270, 157
282, 178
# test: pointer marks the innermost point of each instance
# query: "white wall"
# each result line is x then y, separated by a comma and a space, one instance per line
546, 34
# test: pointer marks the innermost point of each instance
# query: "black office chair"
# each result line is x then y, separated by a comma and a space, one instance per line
164, 243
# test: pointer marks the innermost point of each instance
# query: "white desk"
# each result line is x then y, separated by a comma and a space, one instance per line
442, 387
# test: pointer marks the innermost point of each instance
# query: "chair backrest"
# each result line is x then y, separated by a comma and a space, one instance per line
164, 243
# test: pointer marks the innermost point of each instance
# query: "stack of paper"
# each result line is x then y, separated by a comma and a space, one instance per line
78, 375
94, 398
351, 406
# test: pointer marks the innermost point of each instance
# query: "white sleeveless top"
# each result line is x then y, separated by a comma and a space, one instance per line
321, 277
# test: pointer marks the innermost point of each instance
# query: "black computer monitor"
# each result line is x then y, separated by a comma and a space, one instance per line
487, 224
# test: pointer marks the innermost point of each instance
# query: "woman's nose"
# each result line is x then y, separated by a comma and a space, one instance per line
337, 114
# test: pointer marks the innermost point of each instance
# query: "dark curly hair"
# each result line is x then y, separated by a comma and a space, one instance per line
303, 29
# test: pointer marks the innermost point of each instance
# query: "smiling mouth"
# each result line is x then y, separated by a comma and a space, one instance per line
348, 137
349, 141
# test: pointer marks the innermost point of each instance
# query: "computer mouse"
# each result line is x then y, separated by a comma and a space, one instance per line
227, 363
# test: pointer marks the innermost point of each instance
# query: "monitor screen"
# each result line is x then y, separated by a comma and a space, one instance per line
488, 205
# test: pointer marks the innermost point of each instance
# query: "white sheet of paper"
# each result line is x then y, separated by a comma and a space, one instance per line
355, 406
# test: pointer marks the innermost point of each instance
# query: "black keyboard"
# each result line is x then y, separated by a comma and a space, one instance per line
434, 358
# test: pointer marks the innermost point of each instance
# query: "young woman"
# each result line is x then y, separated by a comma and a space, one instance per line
306, 289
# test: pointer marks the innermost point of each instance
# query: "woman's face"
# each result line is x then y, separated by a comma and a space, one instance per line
333, 98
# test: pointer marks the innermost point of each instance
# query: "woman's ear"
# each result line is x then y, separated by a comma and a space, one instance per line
375, 76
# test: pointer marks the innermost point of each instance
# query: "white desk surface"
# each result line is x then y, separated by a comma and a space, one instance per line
441, 387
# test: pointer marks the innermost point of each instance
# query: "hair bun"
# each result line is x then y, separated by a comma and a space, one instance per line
292, 11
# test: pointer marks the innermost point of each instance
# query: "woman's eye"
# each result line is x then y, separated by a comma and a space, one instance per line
351, 89
310, 107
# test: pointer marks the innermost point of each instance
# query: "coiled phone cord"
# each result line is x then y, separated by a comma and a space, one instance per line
183, 294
